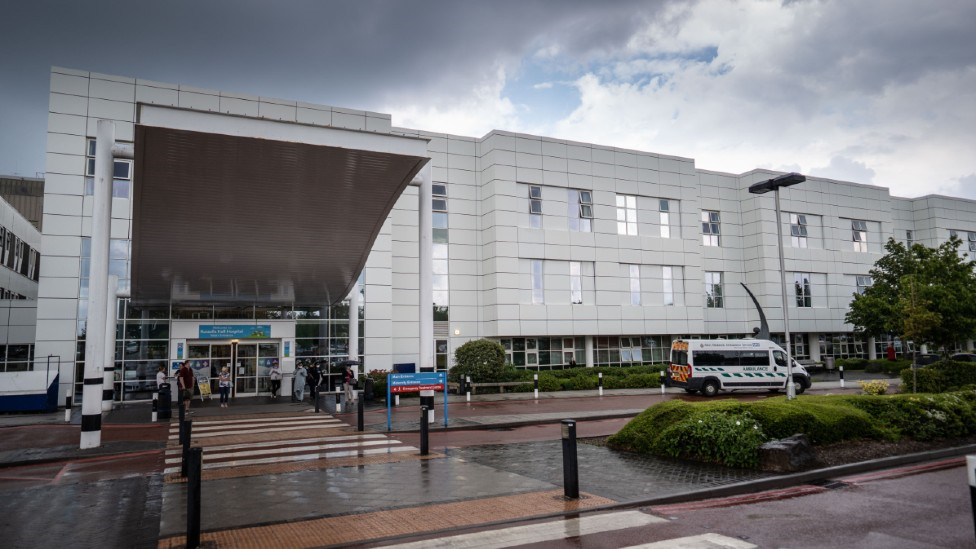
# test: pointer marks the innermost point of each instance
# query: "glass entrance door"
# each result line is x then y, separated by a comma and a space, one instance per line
254, 362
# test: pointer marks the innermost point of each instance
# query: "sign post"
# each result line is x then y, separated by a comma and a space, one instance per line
412, 383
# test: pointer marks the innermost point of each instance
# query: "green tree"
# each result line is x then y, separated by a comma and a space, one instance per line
927, 295
482, 359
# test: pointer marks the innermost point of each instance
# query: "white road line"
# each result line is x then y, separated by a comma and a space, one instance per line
536, 533
307, 457
179, 450
703, 541
212, 426
215, 456
256, 431
256, 420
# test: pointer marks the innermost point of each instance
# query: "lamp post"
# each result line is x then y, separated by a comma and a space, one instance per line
764, 187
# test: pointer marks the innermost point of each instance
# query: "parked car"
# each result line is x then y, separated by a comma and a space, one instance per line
964, 357
926, 359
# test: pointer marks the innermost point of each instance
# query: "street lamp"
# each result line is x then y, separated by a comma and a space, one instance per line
763, 187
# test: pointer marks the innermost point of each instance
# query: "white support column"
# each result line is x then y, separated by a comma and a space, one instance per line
426, 268
872, 349
588, 346
813, 343
108, 384
91, 407
354, 323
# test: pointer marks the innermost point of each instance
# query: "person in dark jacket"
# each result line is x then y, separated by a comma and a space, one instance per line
314, 378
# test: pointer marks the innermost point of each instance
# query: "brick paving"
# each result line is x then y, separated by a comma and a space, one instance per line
377, 525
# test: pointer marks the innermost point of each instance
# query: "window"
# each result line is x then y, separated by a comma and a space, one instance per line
664, 207
538, 292
635, 285
535, 206
798, 230
121, 174
909, 238
801, 287
439, 250
863, 283
667, 274
626, 214
438, 202
580, 212
440, 355
576, 282
711, 229
972, 241
714, 295
859, 235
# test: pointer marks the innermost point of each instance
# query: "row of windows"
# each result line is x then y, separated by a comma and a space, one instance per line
121, 174
18, 256
19, 358
970, 239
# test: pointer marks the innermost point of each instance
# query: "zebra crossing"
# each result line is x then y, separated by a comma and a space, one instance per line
570, 530
267, 442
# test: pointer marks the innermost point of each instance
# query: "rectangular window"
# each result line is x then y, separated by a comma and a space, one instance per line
580, 210
909, 238
121, 174
626, 214
711, 228
972, 241
667, 274
859, 235
714, 294
863, 283
538, 291
635, 285
664, 207
798, 230
801, 289
576, 282
535, 206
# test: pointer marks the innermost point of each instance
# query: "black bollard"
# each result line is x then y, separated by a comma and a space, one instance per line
570, 468
316, 404
193, 483
971, 466
360, 409
182, 422
424, 430
535, 384
67, 409
187, 430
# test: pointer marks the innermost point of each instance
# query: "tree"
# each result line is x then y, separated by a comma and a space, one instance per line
927, 295
482, 359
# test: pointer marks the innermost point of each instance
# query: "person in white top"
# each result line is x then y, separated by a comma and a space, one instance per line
161, 376
275, 377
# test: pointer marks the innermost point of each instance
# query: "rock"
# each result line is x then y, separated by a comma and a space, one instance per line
787, 455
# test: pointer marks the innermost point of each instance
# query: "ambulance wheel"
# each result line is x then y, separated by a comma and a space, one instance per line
798, 387
710, 388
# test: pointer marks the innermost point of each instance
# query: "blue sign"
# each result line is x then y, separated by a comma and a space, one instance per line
235, 331
411, 383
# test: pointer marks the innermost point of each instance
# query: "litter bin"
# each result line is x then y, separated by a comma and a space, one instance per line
367, 389
829, 363
165, 403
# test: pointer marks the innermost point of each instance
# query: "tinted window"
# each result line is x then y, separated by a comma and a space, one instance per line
716, 358
754, 358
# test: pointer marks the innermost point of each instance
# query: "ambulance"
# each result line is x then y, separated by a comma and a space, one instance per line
713, 365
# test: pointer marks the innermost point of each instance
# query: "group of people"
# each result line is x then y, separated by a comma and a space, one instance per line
309, 374
304, 375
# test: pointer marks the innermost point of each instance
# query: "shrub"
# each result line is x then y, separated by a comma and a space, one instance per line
483, 360
379, 381
945, 375
852, 363
874, 387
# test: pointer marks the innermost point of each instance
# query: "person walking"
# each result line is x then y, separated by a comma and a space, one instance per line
314, 378
185, 379
275, 377
348, 383
224, 385
299, 388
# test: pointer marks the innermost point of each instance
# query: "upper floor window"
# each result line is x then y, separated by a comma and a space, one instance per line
664, 207
626, 214
859, 235
576, 282
798, 230
535, 206
635, 285
909, 238
863, 283
972, 241
538, 291
802, 289
121, 174
438, 202
711, 228
714, 293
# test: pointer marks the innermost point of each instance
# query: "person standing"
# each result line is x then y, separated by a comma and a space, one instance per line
185, 379
160, 376
224, 385
348, 382
314, 378
300, 377
275, 377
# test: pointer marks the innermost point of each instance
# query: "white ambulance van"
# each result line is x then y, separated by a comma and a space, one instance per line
713, 365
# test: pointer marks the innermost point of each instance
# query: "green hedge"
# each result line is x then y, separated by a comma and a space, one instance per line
730, 432
945, 375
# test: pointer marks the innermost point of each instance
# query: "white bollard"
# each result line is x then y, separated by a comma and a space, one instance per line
396, 400
662, 382
600, 382
155, 409
67, 409
467, 388
535, 380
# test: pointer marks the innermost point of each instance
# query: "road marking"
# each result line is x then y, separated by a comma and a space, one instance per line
225, 432
271, 443
302, 457
703, 541
537, 533
213, 425
283, 452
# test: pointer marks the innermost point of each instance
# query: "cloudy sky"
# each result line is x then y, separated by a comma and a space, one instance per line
873, 91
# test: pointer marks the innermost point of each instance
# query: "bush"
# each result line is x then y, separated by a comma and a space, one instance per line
945, 375
379, 381
483, 360
852, 363
874, 387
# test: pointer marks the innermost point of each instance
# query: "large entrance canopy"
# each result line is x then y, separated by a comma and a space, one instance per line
238, 210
